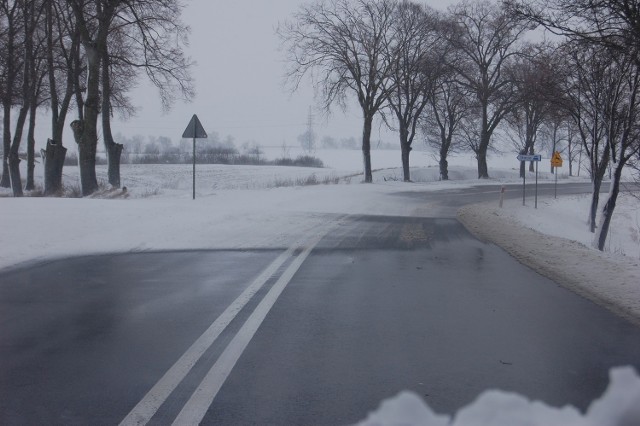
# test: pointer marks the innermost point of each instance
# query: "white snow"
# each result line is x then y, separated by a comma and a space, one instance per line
256, 207
555, 241
618, 406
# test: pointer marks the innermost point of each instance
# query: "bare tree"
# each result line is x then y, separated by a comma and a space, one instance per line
450, 105
622, 121
586, 98
64, 73
38, 99
486, 38
606, 26
153, 36
417, 61
93, 19
341, 44
10, 27
146, 35
30, 13
611, 23
113, 149
533, 75
574, 147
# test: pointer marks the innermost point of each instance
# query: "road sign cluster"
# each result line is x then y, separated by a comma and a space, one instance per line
556, 161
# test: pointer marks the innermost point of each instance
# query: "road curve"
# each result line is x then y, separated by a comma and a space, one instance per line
316, 334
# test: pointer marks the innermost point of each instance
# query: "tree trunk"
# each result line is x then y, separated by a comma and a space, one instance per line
53, 158
9, 79
483, 146
523, 165
86, 156
113, 150
14, 174
595, 199
570, 153
55, 153
597, 176
85, 132
444, 167
14, 159
570, 165
444, 152
481, 154
5, 181
366, 148
31, 149
609, 207
405, 149
532, 167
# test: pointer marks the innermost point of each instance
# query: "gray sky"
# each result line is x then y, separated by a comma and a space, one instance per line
239, 80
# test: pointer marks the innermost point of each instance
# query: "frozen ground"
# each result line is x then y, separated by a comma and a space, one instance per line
253, 207
267, 206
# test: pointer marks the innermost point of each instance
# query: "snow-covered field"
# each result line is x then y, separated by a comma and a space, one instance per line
235, 206
267, 206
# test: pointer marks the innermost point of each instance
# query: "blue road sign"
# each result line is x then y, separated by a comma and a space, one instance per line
534, 157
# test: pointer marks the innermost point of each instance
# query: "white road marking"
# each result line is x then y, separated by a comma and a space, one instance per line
195, 409
152, 401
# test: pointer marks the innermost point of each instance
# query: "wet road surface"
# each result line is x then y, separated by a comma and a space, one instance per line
380, 305
394, 304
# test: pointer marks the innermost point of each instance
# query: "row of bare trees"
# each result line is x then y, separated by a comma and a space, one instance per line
61, 56
447, 72
462, 76
600, 86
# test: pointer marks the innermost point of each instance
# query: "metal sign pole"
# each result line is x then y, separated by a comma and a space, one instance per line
194, 168
194, 130
524, 182
537, 184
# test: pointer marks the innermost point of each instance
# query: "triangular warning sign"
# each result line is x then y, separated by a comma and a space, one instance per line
556, 160
194, 129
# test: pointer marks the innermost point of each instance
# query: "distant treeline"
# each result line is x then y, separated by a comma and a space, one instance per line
161, 151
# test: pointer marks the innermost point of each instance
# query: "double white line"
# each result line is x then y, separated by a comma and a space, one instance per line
195, 409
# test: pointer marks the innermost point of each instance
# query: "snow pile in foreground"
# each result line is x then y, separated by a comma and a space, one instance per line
618, 406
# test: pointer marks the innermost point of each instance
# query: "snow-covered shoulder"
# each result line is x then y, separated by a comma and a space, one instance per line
555, 242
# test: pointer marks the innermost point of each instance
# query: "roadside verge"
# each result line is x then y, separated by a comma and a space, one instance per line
604, 279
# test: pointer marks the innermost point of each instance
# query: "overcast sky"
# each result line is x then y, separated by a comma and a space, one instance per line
239, 80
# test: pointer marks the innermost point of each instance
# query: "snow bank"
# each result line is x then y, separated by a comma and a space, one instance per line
618, 406
240, 207
558, 249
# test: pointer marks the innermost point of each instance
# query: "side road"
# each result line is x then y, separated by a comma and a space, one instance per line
612, 282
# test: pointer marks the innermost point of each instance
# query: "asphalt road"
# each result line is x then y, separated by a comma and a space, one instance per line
316, 334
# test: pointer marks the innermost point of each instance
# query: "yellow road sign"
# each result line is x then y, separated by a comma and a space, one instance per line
556, 160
